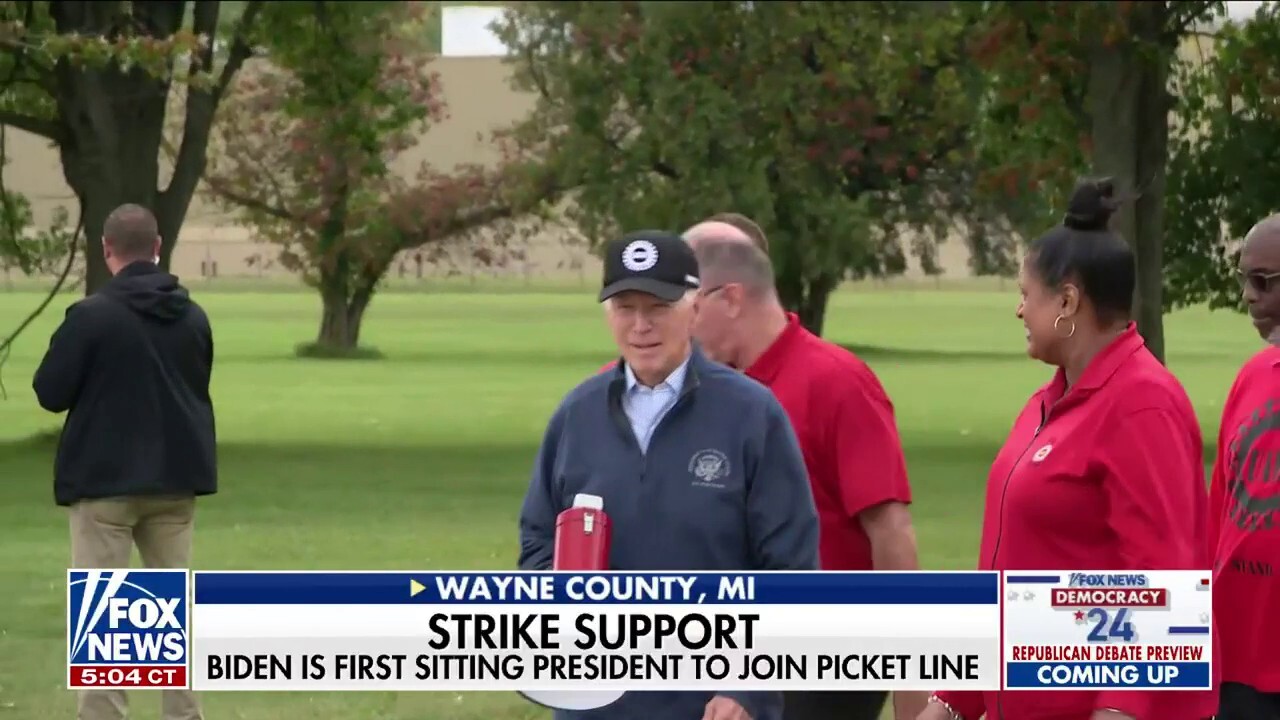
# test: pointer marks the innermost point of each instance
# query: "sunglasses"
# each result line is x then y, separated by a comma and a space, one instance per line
1259, 281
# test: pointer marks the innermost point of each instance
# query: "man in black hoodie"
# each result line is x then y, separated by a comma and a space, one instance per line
131, 365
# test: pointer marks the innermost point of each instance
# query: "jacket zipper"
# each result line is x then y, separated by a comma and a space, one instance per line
1044, 420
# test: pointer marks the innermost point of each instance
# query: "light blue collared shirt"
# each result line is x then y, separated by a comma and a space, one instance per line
645, 407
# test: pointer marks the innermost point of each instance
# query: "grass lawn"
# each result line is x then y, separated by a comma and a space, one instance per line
419, 461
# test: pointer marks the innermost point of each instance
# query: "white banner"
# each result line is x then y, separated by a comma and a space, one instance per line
505, 647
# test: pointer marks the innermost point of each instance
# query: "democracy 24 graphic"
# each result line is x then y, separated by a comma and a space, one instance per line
1107, 630
127, 629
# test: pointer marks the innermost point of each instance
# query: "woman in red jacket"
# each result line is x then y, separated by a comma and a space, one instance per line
1103, 467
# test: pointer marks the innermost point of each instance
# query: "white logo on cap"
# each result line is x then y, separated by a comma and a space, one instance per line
639, 255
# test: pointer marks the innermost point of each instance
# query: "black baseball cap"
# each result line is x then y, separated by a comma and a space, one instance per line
650, 261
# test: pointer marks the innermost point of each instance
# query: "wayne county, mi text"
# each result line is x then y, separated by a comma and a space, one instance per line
593, 588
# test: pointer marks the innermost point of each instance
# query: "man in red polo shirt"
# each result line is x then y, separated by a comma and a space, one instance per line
1244, 505
840, 413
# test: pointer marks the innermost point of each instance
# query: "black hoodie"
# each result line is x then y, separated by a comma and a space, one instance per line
131, 364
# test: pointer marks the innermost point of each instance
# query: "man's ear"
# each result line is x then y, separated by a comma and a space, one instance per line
735, 295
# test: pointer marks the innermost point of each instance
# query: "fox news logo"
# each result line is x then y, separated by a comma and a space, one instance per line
127, 628
1080, 579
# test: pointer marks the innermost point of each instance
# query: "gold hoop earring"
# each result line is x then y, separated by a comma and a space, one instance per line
1059, 319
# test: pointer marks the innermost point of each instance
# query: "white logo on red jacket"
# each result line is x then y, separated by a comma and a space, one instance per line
1042, 453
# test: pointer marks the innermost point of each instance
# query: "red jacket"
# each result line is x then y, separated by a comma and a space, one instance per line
1106, 476
1244, 526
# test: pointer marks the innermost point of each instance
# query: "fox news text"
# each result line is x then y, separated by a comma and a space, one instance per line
127, 629
1107, 630
554, 631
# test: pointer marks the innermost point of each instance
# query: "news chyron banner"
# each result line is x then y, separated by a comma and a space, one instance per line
127, 629
556, 631
1107, 630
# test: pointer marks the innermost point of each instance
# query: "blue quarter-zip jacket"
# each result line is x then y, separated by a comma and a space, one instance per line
723, 486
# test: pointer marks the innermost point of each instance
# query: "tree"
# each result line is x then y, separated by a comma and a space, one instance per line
842, 127
1099, 72
1223, 173
95, 79
306, 148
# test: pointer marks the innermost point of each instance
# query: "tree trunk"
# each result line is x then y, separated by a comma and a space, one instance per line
1129, 106
342, 314
807, 298
112, 126
1153, 156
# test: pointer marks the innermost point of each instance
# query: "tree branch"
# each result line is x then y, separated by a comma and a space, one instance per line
456, 224
47, 129
1182, 19
657, 164
544, 188
249, 203
241, 49
202, 105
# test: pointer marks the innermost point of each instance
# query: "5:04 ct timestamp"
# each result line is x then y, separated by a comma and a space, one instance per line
128, 676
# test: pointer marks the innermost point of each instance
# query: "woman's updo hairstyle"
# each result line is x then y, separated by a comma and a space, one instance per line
1084, 251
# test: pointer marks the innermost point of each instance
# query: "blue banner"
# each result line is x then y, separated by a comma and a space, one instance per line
1134, 675
431, 588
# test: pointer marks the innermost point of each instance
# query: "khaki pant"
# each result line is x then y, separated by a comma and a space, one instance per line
103, 533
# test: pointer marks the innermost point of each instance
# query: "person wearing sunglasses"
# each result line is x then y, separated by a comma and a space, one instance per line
1102, 469
843, 417
1244, 492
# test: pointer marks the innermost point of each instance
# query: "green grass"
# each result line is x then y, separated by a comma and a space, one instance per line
419, 461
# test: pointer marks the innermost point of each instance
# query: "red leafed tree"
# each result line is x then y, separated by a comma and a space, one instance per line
305, 148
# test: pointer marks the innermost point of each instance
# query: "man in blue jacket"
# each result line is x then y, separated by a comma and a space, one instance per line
698, 465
